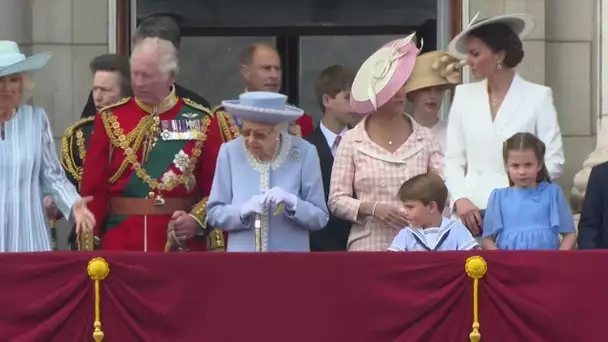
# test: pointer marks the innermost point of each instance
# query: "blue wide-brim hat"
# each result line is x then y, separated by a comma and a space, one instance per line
262, 106
12, 61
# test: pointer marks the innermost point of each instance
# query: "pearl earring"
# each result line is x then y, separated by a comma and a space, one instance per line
499, 65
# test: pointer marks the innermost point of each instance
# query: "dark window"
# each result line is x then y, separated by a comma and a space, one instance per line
309, 35
209, 65
290, 13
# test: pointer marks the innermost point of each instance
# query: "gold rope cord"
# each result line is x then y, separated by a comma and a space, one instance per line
98, 269
118, 139
476, 267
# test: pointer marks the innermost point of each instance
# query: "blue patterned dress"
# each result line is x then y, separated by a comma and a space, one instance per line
528, 218
29, 168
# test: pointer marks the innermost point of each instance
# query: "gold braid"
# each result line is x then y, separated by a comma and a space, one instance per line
132, 138
227, 125
118, 139
67, 153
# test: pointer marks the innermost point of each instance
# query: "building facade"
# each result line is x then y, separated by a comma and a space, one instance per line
564, 52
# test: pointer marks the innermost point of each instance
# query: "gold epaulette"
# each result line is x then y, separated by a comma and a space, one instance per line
198, 106
228, 126
218, 108
67, 157
215, 237
121, 102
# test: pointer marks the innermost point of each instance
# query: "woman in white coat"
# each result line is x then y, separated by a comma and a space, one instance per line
486, 113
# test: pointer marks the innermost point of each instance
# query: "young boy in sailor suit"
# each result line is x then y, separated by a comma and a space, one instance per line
423, 197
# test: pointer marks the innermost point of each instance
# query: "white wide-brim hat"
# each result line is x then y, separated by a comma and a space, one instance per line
262, 106
12, 61
521, 24
383, 74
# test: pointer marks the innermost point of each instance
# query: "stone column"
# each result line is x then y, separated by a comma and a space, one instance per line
600, 153
75, 31
16, 23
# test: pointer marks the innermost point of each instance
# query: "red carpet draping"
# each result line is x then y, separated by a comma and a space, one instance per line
367, 297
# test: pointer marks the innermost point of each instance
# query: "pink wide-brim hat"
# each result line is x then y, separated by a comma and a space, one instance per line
383, 74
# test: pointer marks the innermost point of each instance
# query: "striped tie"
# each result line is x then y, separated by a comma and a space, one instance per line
337, 141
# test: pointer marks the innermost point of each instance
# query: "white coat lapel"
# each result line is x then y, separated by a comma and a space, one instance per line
480, 103
510, 105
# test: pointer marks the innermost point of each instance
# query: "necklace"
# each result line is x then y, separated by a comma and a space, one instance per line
495, 101
390, 142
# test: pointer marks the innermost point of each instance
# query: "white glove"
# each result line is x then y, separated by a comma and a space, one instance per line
277, 196
255, 205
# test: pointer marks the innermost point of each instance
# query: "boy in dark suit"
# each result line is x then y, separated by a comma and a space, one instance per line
593, 224
332, 90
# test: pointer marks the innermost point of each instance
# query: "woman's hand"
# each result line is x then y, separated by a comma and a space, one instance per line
469, 215
83, 217
51, 210
277, 196
391, 215
255, 205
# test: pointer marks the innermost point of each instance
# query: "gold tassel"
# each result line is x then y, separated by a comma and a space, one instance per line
98, 270
476, 267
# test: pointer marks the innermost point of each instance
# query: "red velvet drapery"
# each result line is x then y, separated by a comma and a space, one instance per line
367, 297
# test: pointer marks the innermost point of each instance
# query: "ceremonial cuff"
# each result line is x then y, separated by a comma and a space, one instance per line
199, 213
216, 240
200, 231
87, 241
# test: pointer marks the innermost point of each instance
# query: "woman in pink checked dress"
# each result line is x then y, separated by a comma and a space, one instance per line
383, 151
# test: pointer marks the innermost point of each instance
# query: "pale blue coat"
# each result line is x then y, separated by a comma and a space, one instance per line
29, 168
239, 176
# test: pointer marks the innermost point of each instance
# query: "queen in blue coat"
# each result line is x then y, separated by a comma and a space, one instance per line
267, 190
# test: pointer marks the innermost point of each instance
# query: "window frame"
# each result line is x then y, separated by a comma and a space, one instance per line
287, 43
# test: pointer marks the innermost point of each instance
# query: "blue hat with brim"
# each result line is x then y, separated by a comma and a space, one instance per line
262, 106
12, 61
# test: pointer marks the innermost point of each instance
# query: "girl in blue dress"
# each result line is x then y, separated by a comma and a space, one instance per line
532, 213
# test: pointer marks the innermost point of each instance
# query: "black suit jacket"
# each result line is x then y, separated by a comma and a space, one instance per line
334, 236
593, 224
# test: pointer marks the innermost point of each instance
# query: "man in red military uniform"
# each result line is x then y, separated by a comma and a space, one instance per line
151, 160
261, 71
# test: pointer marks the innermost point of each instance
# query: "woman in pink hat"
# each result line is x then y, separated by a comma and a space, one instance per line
486, 113
383, 151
